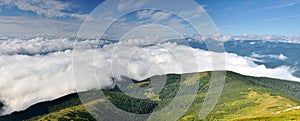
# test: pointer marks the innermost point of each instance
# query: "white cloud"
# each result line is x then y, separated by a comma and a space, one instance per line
192, 14
48, 8
153, 15
223, 38
26, 80
118, 8
177, 24
158, 16
252, 43
124, 5
48, 77
37, 45
144, 13
265, 37
279, 57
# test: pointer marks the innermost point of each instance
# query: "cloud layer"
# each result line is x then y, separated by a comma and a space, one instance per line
279, 57
32, 45
271, 38
26, 80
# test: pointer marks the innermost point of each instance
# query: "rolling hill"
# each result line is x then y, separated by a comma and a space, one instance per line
243, 98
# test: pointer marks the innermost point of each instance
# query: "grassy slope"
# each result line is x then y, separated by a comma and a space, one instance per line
43, 108
292, 115
243, 98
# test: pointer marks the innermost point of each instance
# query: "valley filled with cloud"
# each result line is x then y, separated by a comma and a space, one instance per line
40, 68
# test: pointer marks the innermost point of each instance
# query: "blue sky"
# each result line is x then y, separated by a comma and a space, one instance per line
280, 17
233, 17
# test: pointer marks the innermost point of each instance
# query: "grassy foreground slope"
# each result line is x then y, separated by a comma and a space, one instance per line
246, 98
243, 98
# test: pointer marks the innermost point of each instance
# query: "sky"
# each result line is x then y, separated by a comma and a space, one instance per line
235, 17
232, 17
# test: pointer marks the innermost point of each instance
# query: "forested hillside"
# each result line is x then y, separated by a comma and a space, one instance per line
243, 98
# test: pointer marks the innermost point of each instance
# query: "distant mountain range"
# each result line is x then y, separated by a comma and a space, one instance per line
243, 98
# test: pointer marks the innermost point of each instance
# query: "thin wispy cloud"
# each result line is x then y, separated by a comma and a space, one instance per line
153, 15
13, 24
124, 5
47, 8
280, 6
293, 16
280, 18
270, 19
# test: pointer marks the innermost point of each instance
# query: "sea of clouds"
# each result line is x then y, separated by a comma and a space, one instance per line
28, 77
266, 37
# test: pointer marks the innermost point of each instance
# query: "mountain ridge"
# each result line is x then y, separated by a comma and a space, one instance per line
245, 94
